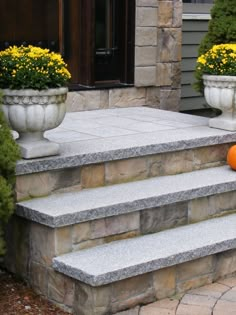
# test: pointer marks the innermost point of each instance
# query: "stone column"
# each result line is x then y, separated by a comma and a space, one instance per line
158, 51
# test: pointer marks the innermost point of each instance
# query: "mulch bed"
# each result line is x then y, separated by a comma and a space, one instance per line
16, 298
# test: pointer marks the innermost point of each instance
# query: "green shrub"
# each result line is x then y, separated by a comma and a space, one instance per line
9, 153
6, 209
221, 30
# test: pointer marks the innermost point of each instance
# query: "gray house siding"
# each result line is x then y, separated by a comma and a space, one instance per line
194, 28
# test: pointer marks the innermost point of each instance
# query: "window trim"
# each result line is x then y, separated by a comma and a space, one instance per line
197, 8
196, 16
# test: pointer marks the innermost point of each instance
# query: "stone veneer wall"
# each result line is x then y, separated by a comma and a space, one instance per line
157, 63
33, 246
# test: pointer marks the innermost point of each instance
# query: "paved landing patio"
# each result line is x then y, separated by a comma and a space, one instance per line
121, 123
111, 134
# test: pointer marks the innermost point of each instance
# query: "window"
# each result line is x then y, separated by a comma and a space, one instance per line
107, 43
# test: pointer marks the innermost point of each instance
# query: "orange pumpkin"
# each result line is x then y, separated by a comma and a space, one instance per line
231, 157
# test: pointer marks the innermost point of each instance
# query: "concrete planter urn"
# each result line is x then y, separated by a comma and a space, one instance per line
32, 112
220, 92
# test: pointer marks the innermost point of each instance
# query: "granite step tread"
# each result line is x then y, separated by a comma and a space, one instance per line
74, 207
128, 258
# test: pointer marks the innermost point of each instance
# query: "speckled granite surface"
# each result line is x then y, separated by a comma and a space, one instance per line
73, 207
113, 134
123, 259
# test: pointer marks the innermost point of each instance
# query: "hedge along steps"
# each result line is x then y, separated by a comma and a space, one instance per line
9, 154
70, 208
128, 258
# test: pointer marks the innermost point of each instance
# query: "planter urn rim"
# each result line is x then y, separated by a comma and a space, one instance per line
215, 77
34, 92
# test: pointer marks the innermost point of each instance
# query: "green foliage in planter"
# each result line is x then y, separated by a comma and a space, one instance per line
9, 153
221, 30
32, 68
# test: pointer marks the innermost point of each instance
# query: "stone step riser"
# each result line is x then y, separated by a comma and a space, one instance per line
120, 171
113, 298
126, 294
151, 267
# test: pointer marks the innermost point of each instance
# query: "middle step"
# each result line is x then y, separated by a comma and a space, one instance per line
69, 222
75, 207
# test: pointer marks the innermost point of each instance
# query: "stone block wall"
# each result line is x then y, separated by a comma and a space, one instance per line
140, 290
158, 36
119, 171
47, 242
35, 265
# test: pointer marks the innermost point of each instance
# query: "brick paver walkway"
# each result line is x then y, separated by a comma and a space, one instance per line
218, 298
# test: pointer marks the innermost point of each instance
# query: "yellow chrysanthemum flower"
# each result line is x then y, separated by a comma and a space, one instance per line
32, 67
220, 59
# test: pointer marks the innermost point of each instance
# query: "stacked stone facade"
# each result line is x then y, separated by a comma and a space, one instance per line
33, 246
157, 79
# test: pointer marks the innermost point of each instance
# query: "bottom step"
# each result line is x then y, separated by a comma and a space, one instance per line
128, 258
121, 275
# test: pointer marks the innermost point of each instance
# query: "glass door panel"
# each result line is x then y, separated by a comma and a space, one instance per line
107, 24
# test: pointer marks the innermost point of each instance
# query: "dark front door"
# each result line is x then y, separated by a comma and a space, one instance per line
33, 22
106, 42
96, 37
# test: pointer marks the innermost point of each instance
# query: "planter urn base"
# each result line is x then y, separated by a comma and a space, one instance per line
225, 123
35, 148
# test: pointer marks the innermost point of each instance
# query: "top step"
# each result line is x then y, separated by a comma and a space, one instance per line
114, 134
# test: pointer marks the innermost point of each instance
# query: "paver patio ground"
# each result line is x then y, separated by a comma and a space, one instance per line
218, 298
